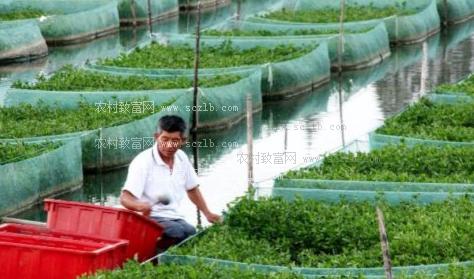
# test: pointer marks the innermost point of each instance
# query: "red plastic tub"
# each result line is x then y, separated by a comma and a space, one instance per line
117, 258
88, 219
28, 256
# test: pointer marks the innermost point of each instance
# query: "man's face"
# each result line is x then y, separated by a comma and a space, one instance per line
169, 143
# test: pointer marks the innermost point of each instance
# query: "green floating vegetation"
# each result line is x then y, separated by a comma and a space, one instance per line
14, 152
23, 14
433, 121
397, 163
224, 55
27, 120
74, 79
197, 271
330, 15
464, 87
309, 233
268, 33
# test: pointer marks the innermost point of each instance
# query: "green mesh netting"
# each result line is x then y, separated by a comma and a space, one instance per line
452, 96
334, 191
115, 146
393, 192
239, 42
70, 99
377, 139
279, 80
368, 186
245, 8
402, 29
27, 182
67, 55
71, 21
219, 106
131, 36
368, 273
205, 4
362, 45
187, 21
137, 10
455, 11
26, 43
457, 34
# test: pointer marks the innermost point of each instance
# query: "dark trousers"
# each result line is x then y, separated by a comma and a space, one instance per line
175, 231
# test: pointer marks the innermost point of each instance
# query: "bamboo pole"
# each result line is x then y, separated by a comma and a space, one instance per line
196, 68
387, 262
101, 166
150, 25
196, 98
250, 141
446, 14
341, 110
340, 47
239, 8
134, 13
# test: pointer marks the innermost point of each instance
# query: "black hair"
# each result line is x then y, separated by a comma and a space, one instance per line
171, 124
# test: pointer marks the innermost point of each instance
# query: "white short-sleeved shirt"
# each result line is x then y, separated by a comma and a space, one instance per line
149, 178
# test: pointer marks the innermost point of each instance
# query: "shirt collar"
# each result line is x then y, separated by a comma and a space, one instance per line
156, 155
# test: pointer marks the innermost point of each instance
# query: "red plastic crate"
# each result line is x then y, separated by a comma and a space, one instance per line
28, 256
88, 219
117, 258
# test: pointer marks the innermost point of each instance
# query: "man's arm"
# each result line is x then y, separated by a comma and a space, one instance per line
196, 197
129, 201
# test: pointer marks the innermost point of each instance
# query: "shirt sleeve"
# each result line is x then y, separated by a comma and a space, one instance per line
192, 180
136, 178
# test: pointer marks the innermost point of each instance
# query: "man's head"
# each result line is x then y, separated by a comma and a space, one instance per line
170, 135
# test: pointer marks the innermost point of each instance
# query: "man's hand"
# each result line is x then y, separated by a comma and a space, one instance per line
144, 208
213, 218
196, 197
129, 201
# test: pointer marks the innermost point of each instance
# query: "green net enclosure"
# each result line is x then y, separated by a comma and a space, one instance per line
137, 11
188, 20
27, 44
115, 144
218, 106
461, 90
205, 4
409, 22
438, 120
363, 45
319, 181
199, 271
66, 22
455, 11
319, 239
280, 80
67, 55
453, 98
49, 170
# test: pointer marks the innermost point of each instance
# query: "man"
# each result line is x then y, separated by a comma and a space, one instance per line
158, 179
